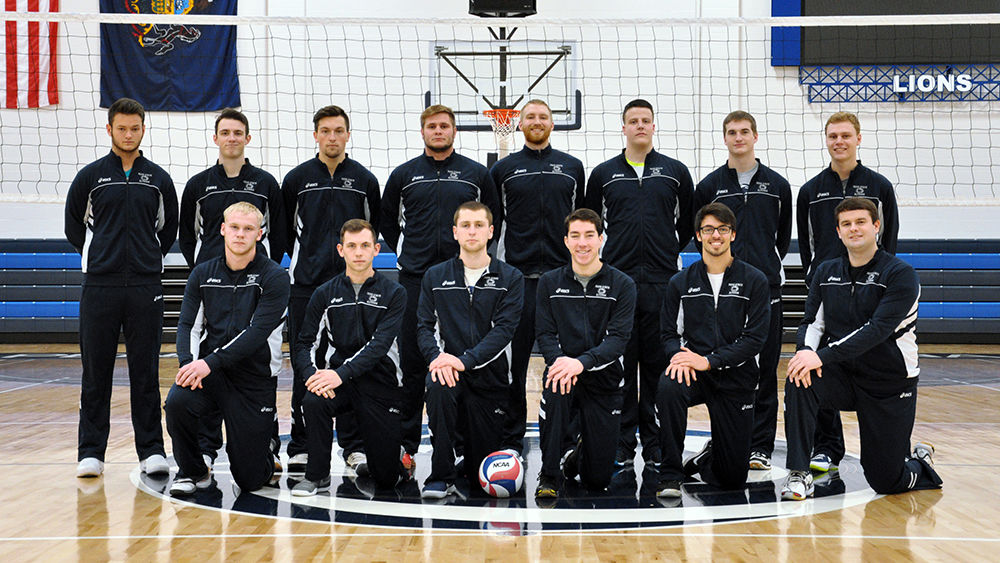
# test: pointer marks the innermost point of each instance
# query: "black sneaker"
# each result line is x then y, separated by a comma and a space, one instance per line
571, 463
692, 465
547, 488
624, 457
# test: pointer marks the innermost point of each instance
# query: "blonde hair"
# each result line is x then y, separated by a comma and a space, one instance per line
434, 110
246, 208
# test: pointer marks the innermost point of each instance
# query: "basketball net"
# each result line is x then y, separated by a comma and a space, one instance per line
503, 121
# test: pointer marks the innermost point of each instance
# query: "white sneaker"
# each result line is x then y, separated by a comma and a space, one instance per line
798, 486
924, 451
155, 464
90, 467
183, 486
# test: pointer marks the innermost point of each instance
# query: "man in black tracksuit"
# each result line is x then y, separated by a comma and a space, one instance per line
418, 205
583, 322
645, 199
538, 187
121, 215
320, 195
469, 309
845, 177
229, 350
761, 199
714, 324
206, 195
347, 355
857, 350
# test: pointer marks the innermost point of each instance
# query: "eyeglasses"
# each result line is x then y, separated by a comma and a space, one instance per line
723, 230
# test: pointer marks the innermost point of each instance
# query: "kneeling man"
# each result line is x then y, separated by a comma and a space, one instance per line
229, 349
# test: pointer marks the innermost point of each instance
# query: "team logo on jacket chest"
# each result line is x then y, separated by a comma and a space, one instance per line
252, 278
602, 290
872, 277
373, 298
145, 177
735, 288
454, 174
557, 168
490, 282
249, 185
655, 171
860, 190
348, 183
763, 187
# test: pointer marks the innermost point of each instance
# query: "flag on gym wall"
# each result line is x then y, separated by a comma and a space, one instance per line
29, 57
169, 66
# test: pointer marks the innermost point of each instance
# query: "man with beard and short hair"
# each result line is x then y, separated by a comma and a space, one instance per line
418, 205
538, 186
322, 194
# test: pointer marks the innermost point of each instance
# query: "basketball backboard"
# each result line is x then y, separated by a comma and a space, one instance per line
472, 76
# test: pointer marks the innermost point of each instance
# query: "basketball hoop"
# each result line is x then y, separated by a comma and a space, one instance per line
503, 121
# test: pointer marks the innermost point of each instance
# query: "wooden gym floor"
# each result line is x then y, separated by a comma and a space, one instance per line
47, 514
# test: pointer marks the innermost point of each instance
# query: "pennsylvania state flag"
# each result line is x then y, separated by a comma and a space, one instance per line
166, 66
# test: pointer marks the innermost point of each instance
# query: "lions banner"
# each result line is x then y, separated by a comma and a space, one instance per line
168, 66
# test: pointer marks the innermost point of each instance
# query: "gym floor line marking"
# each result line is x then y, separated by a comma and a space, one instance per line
32, 385
438, 534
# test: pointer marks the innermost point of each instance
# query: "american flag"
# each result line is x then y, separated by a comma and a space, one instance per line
29, 57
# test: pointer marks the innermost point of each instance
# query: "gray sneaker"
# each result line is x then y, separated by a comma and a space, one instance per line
307, 488
924, 451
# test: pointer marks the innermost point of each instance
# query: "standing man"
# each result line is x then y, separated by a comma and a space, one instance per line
121, 215
320, 195
229, 349
418, 207
584, 320
714, 323
845, 177
347, 355
857, 351
208, 193
469, 309
761, 200
644, 198
538, 187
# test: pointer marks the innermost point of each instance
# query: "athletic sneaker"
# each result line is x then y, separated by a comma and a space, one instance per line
307, 488
669, 489
798, 486
184, 486
90, 467
155, 464
822, 462
547, 488
409, 463
692, 465
571, 463
358, 461
437, 489
297, 463
624, 457
924, 451
760, 461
